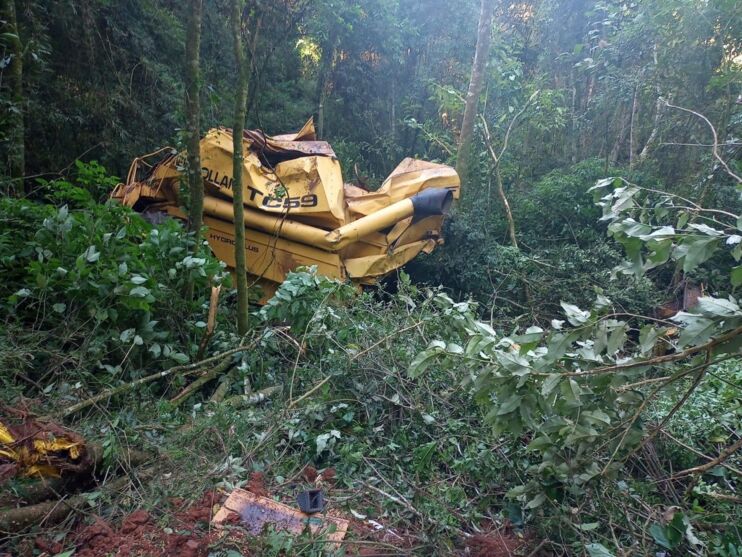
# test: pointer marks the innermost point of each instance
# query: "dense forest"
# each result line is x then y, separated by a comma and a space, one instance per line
561, 376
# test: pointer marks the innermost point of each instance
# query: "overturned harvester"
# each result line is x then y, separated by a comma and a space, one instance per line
298, 211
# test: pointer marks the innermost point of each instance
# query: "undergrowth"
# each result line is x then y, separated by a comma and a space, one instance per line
408, 398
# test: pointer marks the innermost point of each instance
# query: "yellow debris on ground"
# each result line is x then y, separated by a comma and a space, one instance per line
36, 449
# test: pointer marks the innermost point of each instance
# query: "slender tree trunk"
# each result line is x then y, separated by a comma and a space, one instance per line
506, 205
17, 155
323, 82
622, 122
574, 139
484, 38
632, 129
657, 114
193, 117
655, 130
240, 107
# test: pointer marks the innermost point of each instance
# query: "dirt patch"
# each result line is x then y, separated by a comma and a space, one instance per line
187, 535
256, 484
328, 476
47, 546
494, 544
310, 474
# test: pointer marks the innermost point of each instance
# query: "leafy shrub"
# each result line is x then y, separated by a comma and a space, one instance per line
90, 183
564, 253
101, 285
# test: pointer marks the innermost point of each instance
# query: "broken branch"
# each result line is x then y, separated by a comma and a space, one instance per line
184, 369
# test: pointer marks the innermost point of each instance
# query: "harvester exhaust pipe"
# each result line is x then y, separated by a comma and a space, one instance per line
432, 202
424, 204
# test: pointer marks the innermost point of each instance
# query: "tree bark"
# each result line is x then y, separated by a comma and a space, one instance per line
17, 155
323, 82
623, 120
655, 130
240, 107
632, 128
506, 205
193, 117
484, 38
657, 115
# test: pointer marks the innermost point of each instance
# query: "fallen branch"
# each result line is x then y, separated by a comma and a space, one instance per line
221, 390
616, 368
44, 514
200, 382
310, 392
184, 369
699, 453
715, 146
211, 320
726, 453
262, 395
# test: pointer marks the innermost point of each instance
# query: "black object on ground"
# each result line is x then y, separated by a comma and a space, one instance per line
311, 501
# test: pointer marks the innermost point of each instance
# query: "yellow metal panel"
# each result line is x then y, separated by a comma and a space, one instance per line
410, 177
270, 257
379, 265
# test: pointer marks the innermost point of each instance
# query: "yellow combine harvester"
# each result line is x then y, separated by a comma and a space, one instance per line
298, 211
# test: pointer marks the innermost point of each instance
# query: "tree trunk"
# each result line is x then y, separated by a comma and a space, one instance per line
655, 130
17, 156
484, 37
506, 205
323, 82
623, 119
193, 117
632, 129
240, 107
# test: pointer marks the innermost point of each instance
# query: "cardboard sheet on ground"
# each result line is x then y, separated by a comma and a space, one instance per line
257, 512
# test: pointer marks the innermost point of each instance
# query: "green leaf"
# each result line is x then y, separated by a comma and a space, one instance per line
536, 501
669, 536
127, 336
697, 329
571, 392
550, 383
616, 339
694, 250
736, 275
598, 550
709, 231
92, 254
421, 363
423, 456
713, 307
647, 338
510, 405
575, 315
661, 233
139, 292
453, 348
179, 357
539, 443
